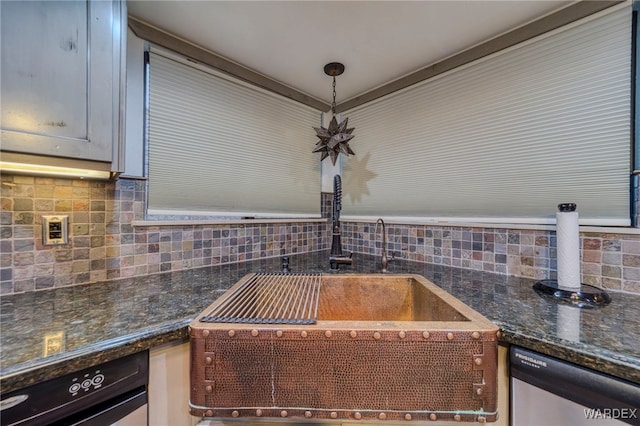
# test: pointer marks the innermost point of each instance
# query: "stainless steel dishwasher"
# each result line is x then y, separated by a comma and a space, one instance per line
113, 393
546, 391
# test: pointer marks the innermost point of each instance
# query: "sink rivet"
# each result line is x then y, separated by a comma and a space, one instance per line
478, 361
308, 414
208, 413
425, 334
482, 419
205, 333
334, 415
208, 360
353, 334
402, 335
279, 333
357, 416
234, 413
209, 389
479, 391
328, 333
433, 416
259, 413
377, 335
303, 334
284, 413
475, 335
450, 335
232, 333
382, 416
407, 416
457, 417
254, 333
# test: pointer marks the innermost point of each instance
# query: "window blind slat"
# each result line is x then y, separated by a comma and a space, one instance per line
220, 148
509, 136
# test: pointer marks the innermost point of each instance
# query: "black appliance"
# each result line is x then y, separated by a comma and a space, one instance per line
100, 395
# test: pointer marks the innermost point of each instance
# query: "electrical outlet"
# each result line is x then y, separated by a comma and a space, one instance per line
55, 230
53, 343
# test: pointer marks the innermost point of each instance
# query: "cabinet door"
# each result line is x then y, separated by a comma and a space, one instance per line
61, 77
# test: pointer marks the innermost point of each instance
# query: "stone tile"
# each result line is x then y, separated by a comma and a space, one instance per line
631, 274
611, 258
631, 260
591, 256
23, 204
631, 246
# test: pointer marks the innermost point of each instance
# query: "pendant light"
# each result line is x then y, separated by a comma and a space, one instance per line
334, 139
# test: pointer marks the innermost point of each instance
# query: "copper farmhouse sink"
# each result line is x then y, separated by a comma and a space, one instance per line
343, 347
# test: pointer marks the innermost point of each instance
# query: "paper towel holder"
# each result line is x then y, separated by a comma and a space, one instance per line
588, 296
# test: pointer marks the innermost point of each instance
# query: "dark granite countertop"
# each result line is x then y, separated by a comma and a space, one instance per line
107, 320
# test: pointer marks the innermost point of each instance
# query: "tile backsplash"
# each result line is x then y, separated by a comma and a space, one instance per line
105, 245
610, 261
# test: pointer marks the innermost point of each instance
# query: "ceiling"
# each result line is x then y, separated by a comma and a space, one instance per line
377, 41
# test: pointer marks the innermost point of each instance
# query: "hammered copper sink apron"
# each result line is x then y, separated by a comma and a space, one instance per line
343, 347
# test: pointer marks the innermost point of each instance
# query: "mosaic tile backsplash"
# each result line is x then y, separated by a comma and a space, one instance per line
610, 261
105, 245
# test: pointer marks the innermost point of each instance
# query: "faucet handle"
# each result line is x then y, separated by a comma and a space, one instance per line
285, 265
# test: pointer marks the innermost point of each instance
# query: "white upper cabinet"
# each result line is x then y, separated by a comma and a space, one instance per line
62, 74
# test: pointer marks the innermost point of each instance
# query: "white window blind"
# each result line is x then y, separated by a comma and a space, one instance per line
504, 139
222, 148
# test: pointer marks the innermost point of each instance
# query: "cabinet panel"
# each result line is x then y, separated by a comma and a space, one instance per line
169, 385
61, 66
35, 86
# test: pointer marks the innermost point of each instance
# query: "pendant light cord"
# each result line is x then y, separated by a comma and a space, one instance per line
333, 104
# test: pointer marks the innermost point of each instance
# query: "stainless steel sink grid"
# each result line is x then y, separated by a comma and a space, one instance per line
271, 298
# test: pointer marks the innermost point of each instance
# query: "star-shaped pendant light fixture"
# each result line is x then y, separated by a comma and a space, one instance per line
334, 139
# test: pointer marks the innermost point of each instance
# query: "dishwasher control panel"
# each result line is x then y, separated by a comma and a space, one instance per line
86, 382
61, 397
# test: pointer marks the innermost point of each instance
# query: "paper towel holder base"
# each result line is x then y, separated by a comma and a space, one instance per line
588, 296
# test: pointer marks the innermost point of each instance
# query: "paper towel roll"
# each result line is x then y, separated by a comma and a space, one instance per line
568, 234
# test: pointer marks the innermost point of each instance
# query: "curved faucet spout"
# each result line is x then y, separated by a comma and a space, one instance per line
384, 261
